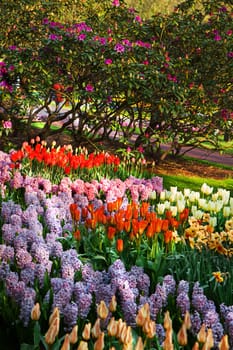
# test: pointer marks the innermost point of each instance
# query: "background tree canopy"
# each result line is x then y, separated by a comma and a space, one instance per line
168, 77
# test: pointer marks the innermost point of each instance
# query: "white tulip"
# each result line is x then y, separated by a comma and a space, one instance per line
226, 212
213, 221
205, 189
173, 209
162, 195
160, 208
187, 192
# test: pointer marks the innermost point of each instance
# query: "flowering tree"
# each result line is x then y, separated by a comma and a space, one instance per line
117, 75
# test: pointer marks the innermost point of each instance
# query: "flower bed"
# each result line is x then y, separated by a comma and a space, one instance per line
122, 259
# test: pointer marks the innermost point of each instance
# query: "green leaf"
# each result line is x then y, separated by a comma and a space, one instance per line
36, 334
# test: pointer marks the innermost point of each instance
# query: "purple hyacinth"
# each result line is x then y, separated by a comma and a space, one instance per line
169, 284
23, 258
129, 308
160, 333
27, 275
70, 312
71, 257
84, 302
26, 305
40, 253
183, 287
183, 302
156, 303
67, 271
117, 269
7, 253
103, 292
62, 298
143, 280
196, 322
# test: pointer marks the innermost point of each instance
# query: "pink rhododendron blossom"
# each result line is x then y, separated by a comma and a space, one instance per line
119, 48
116, 3
7, 124
81, 37
108, 61
89, 88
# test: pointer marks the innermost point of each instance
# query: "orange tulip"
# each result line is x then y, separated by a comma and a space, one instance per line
111, 231
128, 212
73, 207
144, 209
76, 215
84, 212
118, 203
167, 236
165, 224
158, 225
90, 223
127, 225
184, 214
150, 231
135, 226
120, 245
168, 214
77, 235
142, 224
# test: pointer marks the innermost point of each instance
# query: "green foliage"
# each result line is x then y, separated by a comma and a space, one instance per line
118, 74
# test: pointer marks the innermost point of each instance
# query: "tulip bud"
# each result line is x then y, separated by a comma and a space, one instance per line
139, 345
87, 331
102, 310
143, 314
96, 330
149, 328
53, 331
120, 327
83, 345
209, 339
112, 327
123, 333
113, 304
35, 313
167, 323
195, 346
66, 343
224, 345
201, 336
74, 335
187, 320
182, 336
55, 314
120, 245
99, 343
167, 344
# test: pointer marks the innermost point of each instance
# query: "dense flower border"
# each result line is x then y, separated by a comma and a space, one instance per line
39, 262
